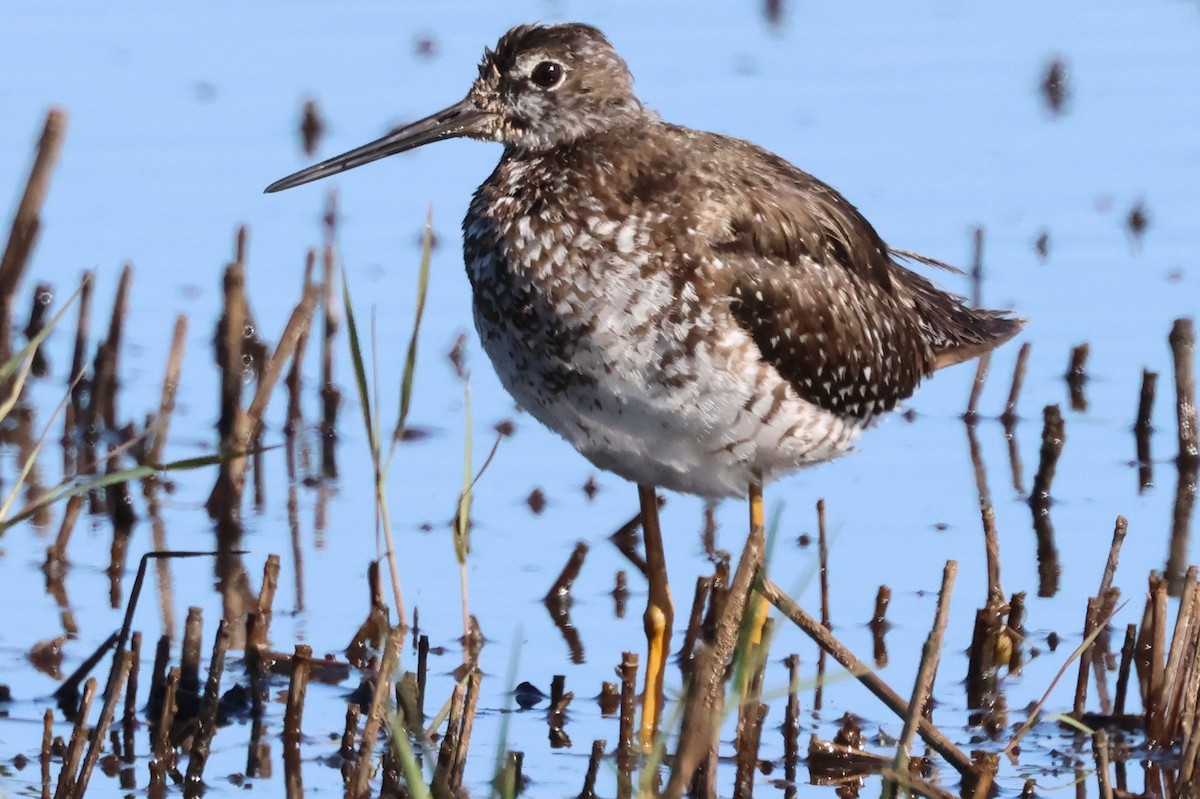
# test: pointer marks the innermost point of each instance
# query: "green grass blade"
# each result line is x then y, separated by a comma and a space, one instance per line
462, 517
27, 351
73, 487
510, 680
410, 358
360, 370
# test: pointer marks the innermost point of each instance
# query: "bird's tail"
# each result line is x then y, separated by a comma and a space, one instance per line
958, 333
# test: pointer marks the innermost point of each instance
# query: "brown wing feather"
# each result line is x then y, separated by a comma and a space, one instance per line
814, 286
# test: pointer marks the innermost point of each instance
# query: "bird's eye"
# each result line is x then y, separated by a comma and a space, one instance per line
547, 74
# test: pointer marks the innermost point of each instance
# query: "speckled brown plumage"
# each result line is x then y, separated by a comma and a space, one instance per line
687, 309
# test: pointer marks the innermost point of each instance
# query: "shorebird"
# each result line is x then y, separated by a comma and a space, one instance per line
688, 310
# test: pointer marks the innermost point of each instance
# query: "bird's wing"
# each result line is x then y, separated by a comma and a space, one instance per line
815, 287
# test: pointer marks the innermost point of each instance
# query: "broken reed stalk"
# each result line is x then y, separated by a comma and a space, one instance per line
1100, 749
163, 753
1035, 713
691, 635
245, 425
981, 372
466, 724
1090, 622
27, 221
791, 719
293, 718
705, 695
100, 732
295, 377
43, 295
1124, 669
129, 717
1144, 428
66, 775
825, 640
47, 754
1010, 417
747, 750
107, 368
1120, 529
923, 686
77, 384
170, 387
358, 783
1163, 726
206, 718
1183, 353
189, 660
625, 741
266, 598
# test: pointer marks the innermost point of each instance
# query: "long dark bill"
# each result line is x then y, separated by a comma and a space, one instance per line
460, 119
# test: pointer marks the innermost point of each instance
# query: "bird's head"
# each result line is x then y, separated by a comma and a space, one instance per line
542, 87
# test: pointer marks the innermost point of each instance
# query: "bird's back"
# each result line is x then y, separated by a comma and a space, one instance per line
653, 277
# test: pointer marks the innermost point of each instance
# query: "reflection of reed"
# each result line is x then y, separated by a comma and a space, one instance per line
1053, 437
1077, 377
1143, 429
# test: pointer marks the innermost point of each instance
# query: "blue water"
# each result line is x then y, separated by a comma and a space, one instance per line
928, 117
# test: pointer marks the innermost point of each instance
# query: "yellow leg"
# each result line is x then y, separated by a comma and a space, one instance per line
660, 615
757, 523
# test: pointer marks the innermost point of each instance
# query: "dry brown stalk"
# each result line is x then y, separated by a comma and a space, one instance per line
749, 735
923, 686
692, 634
66, 775
189, 664
1183, 353
206, 718
463, 738
1010, 417
47, 754
444, 769
824, 639
791, 719
295, 378
106, 371
163, 759
27, 221
357, 785
293, 718
170, 386
266, 598
1100, 750
705, 696
129, 719
1090, 623
100, 731
981, 373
